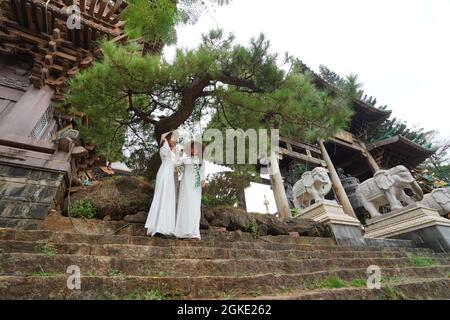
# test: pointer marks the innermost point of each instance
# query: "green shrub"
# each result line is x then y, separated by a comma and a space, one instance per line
83, 208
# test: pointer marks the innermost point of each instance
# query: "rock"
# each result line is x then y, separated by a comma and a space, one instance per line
294, 235
107, 218
139, 217
263, 230
118, 196
236, 219
204, 223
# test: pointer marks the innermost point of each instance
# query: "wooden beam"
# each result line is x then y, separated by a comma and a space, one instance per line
301, 157
113, 10
301, 145
278, 188
101, 9
82, 5
40, 20
19, 12
30, 16
337, 184
92, 7
370, 160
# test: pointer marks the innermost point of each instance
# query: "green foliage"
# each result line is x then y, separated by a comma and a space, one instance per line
227, 296
136, 295
393, 294
225, 188
333, 282
253, 227
46, 249
358, 282
419, 261
295, 212
42, 273
83, 208
129, 96
114, 273
153, 20
2, 251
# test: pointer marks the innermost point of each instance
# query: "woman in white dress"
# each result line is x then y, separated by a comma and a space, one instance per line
190, 196
161, 217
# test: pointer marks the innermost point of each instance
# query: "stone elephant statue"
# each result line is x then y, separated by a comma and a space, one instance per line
313, 185
388, 187
438, 199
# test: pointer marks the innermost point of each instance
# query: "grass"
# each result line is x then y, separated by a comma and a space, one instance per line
114, 273
256, 293
136, 295
43, 273
291, 255
333, 282
278, 274
46, 249
227, 296
92, 273
393, 294
419, 261
162, 274
358, 283
285, 289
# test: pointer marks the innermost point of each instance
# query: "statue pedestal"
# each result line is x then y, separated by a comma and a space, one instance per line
346, 229
424, 226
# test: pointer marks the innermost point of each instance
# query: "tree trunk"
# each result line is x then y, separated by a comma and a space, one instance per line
153, 165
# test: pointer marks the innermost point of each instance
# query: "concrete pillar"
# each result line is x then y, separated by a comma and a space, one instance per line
337, 185
278, 188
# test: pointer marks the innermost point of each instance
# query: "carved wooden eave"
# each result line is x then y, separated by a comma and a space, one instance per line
399, 150
39, 29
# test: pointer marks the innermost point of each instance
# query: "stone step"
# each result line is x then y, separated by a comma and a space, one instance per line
55, 287
30, 264
196, 252
412, 289
227, 240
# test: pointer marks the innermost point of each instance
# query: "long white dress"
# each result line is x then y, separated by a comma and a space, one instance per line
161, 217
189, 201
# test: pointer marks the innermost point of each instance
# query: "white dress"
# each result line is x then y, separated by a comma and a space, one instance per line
161, 217
189, 201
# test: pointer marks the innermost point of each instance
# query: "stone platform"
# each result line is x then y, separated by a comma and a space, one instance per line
424, 226
346, 229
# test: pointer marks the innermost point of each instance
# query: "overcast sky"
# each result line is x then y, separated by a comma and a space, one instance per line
400, 49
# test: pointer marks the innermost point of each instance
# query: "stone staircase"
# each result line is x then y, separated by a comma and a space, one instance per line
125, 264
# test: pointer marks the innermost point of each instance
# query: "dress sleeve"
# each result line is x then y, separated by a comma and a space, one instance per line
164, 151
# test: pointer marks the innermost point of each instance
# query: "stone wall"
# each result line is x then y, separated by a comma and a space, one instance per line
26, 195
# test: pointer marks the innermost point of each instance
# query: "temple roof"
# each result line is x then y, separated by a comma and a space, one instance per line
40, 29
400, 150
366, 116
